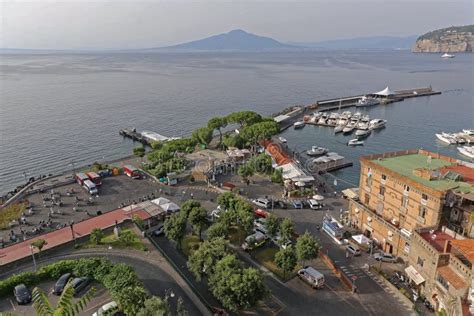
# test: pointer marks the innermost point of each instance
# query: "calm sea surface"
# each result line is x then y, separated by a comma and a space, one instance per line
55, 109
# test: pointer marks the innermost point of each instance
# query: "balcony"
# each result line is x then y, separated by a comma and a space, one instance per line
381, 197
374, 215
421, 220
424, 202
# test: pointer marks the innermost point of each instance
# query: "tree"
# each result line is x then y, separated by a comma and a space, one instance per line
175, 228
285, 259
236, 288
287, 229
180, 309
259, 131
65, 304
226, 200
245, 171
198, 219
39, 244
233, 141
96, 236
272, 225
217, 123
244, 118
188, 206
277, 176
306, 247
131, 299
203, 261
155, 306
139, 151
262, 163
127, 237
203, 135
218, 229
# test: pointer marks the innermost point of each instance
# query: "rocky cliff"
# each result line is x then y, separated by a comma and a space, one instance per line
455, 39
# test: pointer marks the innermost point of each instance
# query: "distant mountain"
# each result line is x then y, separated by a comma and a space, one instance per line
454, 39
236, 40
373, 42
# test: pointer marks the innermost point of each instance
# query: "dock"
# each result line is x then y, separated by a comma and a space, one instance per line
145, 137
134, 135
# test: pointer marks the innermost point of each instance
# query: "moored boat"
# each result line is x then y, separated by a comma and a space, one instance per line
467, 151
367, 101
299, 124
377, 123
360, 133
338, 129
468, 131
316, 151
446, 55
446, 139
355, 142
281, 139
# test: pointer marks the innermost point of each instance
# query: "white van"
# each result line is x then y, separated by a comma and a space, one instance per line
315, 205
312, 276
263, 203
254, 241
107, 309
90, 187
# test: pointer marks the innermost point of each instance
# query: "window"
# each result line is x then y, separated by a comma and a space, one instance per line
424, 196
368, 180
384, 177
422, 212
420, 261
405, 201
442, 281
406, 188
382, 190
366, 199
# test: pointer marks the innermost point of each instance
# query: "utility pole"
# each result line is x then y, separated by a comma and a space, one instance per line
33, 256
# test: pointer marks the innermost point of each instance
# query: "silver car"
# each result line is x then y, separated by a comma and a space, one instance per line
385, 257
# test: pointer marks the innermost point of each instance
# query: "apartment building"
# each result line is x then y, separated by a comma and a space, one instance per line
403, 191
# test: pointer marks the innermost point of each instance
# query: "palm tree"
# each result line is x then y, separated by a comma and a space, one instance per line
65, 305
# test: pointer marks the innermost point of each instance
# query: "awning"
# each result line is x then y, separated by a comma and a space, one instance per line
361, 239
170, 207
160, 201
350, 193
414, 275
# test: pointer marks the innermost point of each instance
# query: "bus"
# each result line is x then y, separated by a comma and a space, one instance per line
94, 177
90, 187
132, 172
333, 229
81, 177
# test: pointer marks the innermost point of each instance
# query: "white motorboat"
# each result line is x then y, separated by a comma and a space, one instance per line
365, 118
355, 142
357, 116
362, 125
468, 131
322, 120
367, 101
446, 55
332, 122
316, 151
467, 151
348, 129
446, 139
338, 129
281, 139
377, 123
317, 115
346, 114
360, 133
342, 121
334, 115
456, 136
299, 124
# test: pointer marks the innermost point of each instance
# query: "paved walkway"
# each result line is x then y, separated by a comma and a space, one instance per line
61, 236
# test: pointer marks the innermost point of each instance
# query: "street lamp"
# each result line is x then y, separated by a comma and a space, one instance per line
33, 256
168, 293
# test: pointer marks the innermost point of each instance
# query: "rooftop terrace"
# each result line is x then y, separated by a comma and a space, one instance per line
406, 164
437, 239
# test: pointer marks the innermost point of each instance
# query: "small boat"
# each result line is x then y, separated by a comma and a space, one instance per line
446, 55
360, 133
468, 131
355, 142
317, 115
446, 139
316, 151
467, 151
299, 124
362, 125
377, 123
338, 129
348, 129
367, 101
281, 139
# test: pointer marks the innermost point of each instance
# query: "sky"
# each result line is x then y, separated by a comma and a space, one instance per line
119, 24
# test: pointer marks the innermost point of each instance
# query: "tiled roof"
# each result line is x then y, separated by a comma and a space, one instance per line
452, 277
437, 242
278, 154
465, 247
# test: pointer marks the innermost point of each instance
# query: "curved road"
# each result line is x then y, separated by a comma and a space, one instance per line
156, 280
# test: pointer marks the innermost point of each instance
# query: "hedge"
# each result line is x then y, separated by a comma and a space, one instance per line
117, 278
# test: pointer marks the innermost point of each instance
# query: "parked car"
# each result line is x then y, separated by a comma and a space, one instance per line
61, 283
314, 205
79, 284
312, 276
262, 202
109, 309
259, 222
277, 241
253, 241
385, 257
297, 204
22, 294
280, 204
159, 231
354, 250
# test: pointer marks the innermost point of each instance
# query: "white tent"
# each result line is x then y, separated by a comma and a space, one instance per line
160, 201
170, 207
385, 92
361, 239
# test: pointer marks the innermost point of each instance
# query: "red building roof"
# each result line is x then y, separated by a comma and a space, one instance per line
437, 239
277, 152
466, 173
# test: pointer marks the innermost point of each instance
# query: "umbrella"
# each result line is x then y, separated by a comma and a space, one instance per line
318, 197
160, 201
300, 184
170, 207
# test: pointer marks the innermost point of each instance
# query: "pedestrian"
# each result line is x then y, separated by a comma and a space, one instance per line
347, 254
335, 193
192, 196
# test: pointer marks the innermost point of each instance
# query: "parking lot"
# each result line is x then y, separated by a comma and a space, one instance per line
100, 298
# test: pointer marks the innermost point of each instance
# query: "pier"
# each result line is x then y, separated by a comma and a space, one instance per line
134, 135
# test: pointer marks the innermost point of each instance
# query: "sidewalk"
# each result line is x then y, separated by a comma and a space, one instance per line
62, 236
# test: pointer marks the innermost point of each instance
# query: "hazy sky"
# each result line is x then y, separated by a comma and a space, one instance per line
135, 24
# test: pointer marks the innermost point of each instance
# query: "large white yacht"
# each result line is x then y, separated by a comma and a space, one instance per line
377, 123
367, 101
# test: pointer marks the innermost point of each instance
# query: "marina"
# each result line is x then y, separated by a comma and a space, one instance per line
145, 137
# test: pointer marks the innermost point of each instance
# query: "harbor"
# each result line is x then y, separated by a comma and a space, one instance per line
145, 137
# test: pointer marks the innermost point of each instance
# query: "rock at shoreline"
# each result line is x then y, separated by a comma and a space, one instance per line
455, 39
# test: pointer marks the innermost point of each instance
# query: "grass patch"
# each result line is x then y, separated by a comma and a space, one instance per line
237, 235
266, 257
189, 244
111, 240
10, 213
